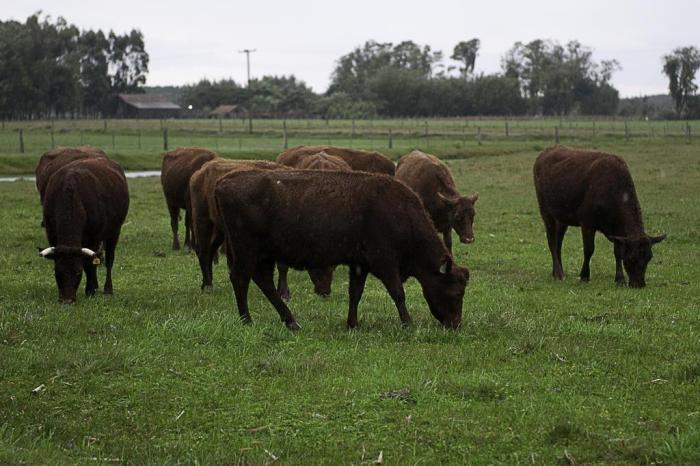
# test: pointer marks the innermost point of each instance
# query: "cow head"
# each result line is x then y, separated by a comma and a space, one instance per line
636, 254
460, 214
443, 290
322, 280
68, 268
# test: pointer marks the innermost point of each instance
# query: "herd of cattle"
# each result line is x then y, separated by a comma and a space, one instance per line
317, 207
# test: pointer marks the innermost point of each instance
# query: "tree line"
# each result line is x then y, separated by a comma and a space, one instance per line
51, 68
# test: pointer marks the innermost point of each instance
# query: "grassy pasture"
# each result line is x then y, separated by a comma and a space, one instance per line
137, 143
541, 372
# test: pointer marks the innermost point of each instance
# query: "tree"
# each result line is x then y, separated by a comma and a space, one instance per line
355, 69
558, 79
680, 67
94, 72
466, 52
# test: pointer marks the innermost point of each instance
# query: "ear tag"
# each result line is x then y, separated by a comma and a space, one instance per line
96, 261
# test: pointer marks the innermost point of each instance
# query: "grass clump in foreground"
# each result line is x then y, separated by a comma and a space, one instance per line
541, 371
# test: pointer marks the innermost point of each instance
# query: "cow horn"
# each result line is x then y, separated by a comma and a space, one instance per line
88, 252
450, 201
47, 252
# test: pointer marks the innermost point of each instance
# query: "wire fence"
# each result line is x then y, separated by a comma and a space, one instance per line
268, 135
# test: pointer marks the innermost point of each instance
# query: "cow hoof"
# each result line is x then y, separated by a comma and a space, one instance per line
176, 247
293, 325
89, 293
352, 326
285, 296
585, 279
108, 292
207, 288
620, 283
246, 320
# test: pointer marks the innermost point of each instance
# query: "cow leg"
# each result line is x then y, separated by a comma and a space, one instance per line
447, 237
110, 246
264, 278
90, 277
358, 276
188, 230
239, 274
550, 227
392, 282
619, 273
588, 235
282, 285
560, 232
174, 220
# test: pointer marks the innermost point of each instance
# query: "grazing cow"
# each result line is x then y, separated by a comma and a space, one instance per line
359, 160
178, 167
317, 219
207, 231
593, 190
54, 159
431, 179
84, 207
322, 278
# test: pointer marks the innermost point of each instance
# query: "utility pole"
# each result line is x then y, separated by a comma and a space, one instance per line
250, 115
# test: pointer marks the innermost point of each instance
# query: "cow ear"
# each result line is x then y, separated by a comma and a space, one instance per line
446, 266
451, 202
657, 239
619, 239
474, 197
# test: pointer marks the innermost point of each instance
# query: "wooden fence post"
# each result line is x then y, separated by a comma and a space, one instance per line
506, 127
114, 137
221, 125
53, 145
391, 141
556, 134
104, 125
478, 135
21, 141
627, 133
165, 138
284, 134
81, 137
687, 131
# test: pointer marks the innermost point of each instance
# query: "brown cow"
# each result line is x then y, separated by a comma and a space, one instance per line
322, 278
432, 180
84, 207
317, 219
178, 167
595, 191
207, 231
359, 160
54, 159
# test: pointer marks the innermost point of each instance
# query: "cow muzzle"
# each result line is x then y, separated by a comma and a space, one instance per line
466, 239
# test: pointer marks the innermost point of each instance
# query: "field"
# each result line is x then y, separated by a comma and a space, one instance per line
135, 143
541, 372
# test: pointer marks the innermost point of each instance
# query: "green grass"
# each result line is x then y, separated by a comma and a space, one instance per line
136, 144
541, 372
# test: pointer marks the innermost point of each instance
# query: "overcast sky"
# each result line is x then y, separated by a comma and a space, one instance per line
193, 39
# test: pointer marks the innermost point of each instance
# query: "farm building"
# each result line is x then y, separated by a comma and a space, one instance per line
146, 106
228, 111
